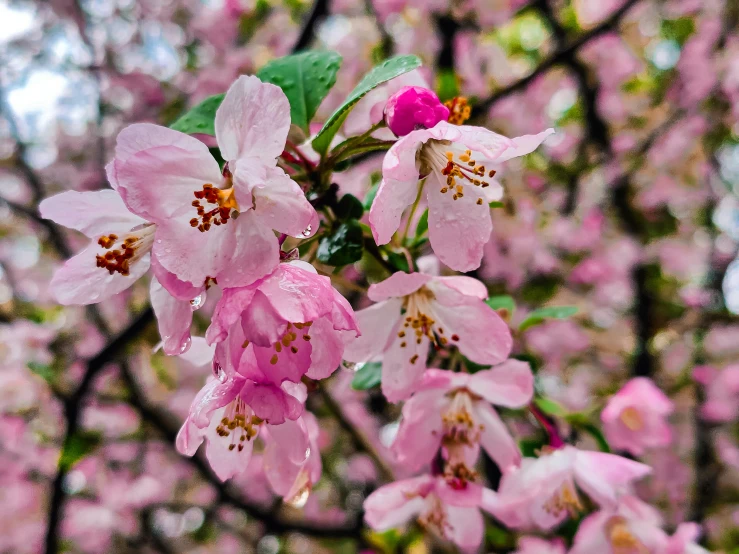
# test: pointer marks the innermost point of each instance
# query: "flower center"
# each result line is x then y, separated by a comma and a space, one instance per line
124, 251
457, 472
458, 165
224, 201
621, 539
632, 419
434, 518
285, 344
459, 110
418, 323
238, 425
459, 425
564, 499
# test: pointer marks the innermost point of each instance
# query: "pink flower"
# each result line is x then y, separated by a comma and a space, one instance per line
722, 392
117, 256
541, 493
635, 418
457, 165
412, 107
222, 415
632, 527
451, 513
414, 310
535, 545
454, 410
212, 225
684, 540
288, 324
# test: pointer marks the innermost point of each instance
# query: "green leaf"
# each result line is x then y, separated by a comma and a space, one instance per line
368, 376
201, 118
398, 261
349, 207
596, 433
387, 70
423, 224
497, 204
370, 196
553, 312
343, 246
44, 371
447, 85
305, 78
550, 407
503, 302
78, 446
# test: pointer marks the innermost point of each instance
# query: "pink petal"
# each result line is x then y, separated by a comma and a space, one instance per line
420, 432
174, 318
403, 367
524, 145
144, 136
496, 439
278, 200
591, 535
397, 285
252, 120
290, 365
285, 453
228, 311
93, 213
600, 474
465, 527
481, 334
271, 403
395, 504
179, 289
214, 395
80, 281
465, 285
189, 438
378, 323
327, 349
393, 197
458, 229
298, 295
159, 183
490, 145
261, 323
510, 384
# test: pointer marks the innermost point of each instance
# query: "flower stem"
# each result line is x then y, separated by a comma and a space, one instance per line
555, 441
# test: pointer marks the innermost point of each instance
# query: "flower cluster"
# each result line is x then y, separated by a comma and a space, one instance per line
252, 220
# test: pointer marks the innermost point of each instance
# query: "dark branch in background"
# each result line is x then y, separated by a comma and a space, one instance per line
72, 412
447, 29
558, 57
308, 31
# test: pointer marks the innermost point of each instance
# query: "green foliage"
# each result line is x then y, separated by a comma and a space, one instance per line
349, 207
305, 78
387, 70
201, 118
679, 29
539, 289
368, 376
549, 407
44, 371
78, 446
447, 85
553, 312
344, 245
398, 261
423, 224
502, 302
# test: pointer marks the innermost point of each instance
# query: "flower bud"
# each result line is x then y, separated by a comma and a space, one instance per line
413, 107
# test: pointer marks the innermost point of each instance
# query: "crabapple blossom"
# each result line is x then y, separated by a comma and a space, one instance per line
415, 310
454, 166
453, 411
535, 545
542, 492
214, 225
635, 417
293, 323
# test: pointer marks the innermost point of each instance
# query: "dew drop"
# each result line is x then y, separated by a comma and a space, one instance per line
220, 374
299, 499
351, 366
198, 301
185, 345
307, 231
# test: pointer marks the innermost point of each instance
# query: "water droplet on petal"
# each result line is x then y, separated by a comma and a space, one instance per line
351, 366
198, 301
220, 374
307, 231
299, 499
185, 346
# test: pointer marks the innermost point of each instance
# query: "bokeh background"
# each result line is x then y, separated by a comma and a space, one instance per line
629, 213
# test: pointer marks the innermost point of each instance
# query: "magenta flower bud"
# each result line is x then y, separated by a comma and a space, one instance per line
413, 107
